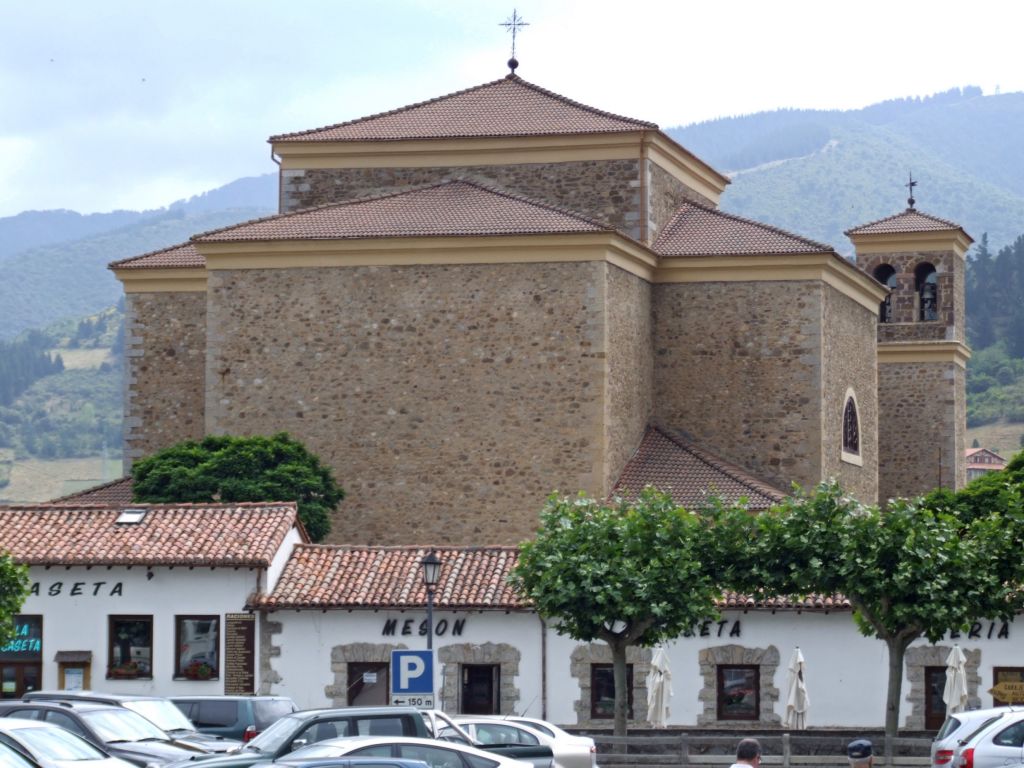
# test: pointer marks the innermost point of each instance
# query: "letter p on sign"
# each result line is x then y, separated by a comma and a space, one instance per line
409, 667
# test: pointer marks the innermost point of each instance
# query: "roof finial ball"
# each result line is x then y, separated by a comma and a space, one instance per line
513, 24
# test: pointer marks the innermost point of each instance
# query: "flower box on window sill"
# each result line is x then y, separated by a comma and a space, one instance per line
199, 670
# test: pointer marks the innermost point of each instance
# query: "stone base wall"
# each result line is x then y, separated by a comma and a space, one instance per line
448, 400
165, 348
600, 653
342, 655
268, 676
738, 369
452, 657
605, 190
921, 426
915, 661
768, 661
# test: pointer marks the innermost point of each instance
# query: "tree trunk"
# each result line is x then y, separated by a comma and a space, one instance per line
621, 687
897, 650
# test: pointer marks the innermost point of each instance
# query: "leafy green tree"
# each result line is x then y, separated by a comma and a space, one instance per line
225, 469
631, 574
916, 569
13, 590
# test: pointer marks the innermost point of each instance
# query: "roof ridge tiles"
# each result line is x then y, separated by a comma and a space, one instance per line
937, 219
159, 251
689, 204
507, 78
734, 471
202, 236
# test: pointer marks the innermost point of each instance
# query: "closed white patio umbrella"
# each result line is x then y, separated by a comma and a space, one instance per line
955, 692
659, 688
797, 701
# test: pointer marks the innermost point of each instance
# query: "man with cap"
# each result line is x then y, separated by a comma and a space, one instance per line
860, 753
748, 753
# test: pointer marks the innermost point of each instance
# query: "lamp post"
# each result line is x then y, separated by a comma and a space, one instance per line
431, 565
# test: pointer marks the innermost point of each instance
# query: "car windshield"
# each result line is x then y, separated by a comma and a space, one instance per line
122, 725
162, 713
11, 759
947, 728
276, 735
56, 744
267, 711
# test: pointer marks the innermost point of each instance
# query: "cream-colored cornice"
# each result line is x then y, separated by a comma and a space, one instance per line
924, 352
686, 167
911, 242
407, 251
162, 280
825, 266
427, 153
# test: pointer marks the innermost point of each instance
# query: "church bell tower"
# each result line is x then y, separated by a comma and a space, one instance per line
922, 352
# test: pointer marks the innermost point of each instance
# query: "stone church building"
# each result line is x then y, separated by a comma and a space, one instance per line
467, 303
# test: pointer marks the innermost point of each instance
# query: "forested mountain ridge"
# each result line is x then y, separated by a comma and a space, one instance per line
61, 277
819, 172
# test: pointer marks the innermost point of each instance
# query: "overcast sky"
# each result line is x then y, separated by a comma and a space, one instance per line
109, 104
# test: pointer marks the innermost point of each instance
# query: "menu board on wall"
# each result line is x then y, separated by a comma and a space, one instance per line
239, 654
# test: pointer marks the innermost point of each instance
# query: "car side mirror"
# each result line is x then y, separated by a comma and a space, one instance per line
299, 743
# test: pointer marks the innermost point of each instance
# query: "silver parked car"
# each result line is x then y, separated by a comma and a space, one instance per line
960, 726
54, 747
996, 744
568, 751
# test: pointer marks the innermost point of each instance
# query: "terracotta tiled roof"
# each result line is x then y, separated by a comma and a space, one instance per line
690, 475
696, 230
319, 576
183, 256
910, 220
507, 107
455, 208
116, 493
322, 577
228, 534
733, 601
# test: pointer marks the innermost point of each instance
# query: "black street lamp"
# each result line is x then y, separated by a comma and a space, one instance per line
431, 565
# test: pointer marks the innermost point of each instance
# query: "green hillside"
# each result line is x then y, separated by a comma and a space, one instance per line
818, 173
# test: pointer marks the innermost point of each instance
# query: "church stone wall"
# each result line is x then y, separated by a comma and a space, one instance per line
922, 413
737, 368
165, 347
665, 194
850, 362
449, 400
630, 369
605, 190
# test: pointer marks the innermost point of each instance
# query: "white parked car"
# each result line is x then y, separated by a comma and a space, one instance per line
960, 726
436, 754
996, 744
54, 747
568, 751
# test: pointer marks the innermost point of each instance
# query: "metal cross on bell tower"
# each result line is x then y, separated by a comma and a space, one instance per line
513, 24
910, 191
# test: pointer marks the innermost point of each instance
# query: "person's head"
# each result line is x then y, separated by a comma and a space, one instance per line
748, 751
859, 752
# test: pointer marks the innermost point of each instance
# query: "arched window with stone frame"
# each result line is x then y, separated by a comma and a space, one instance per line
886, 275
926, 281
851, 453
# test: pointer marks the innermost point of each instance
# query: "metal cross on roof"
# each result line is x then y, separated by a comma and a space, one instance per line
513, 24
910, 189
